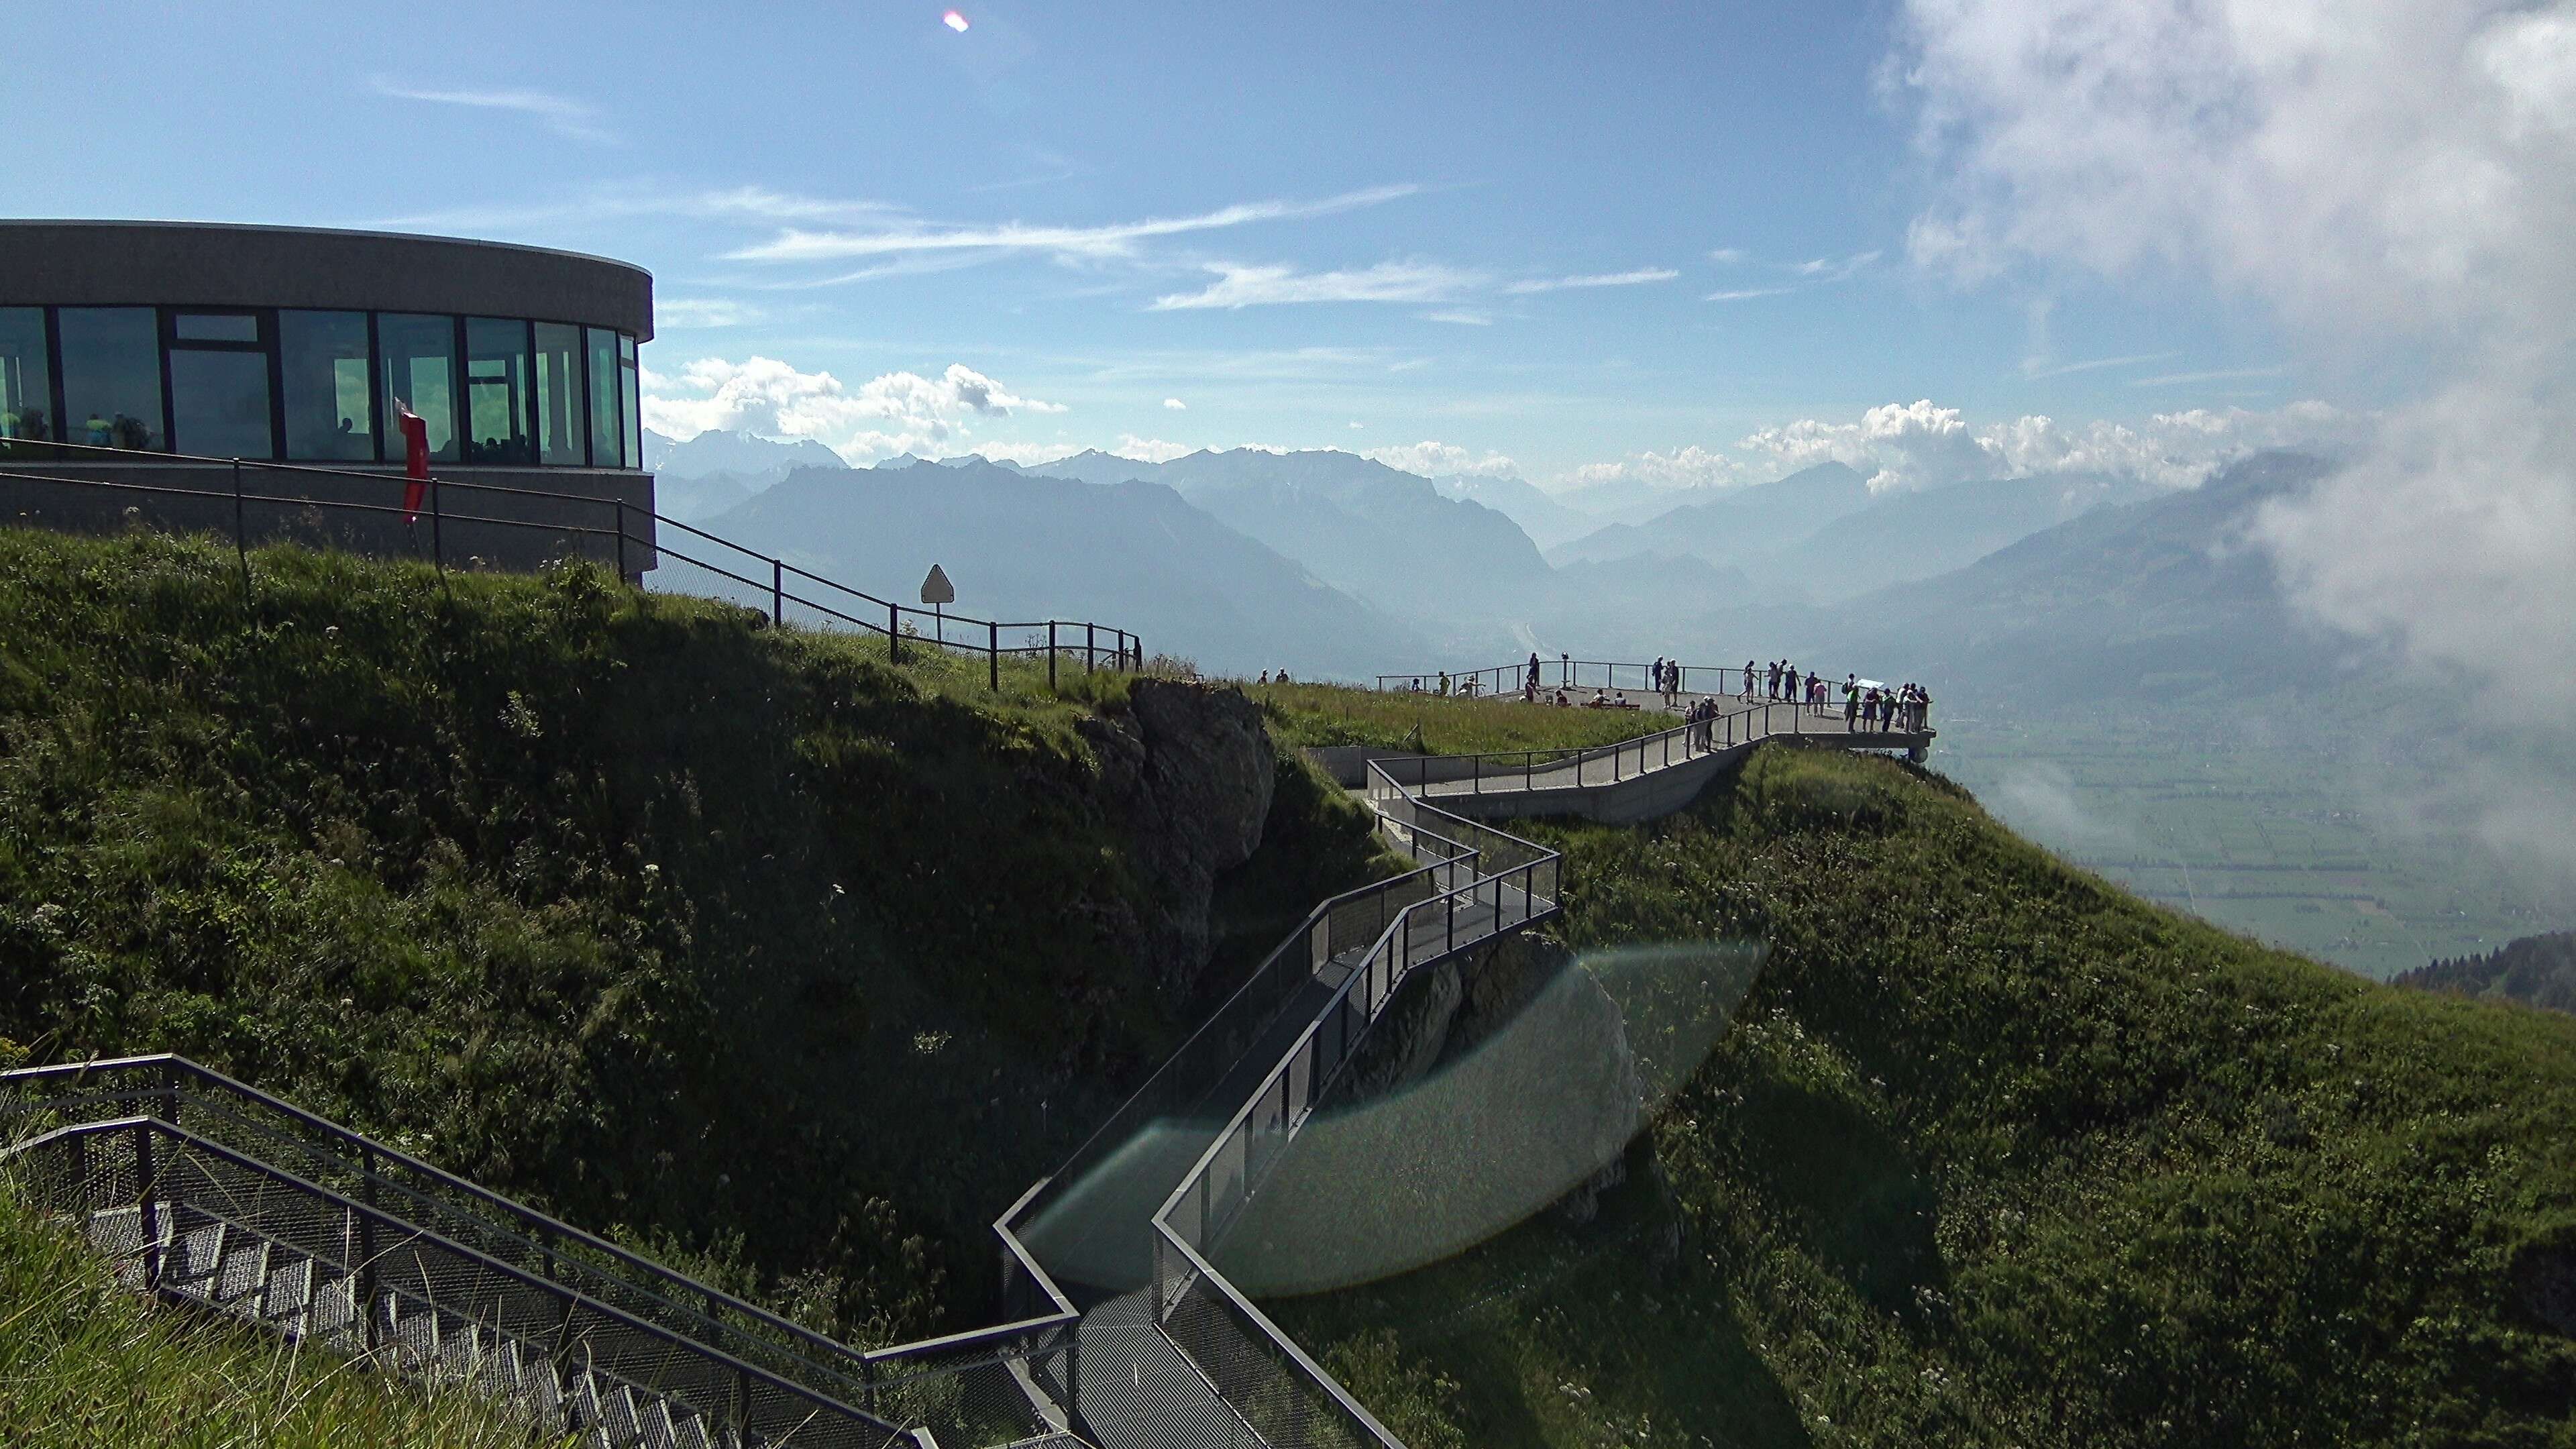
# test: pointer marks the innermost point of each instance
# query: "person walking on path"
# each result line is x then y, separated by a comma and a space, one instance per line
1748, 679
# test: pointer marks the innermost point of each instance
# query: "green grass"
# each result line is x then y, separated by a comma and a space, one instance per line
1999, 1154
83, 1361
1330, 714
736, 942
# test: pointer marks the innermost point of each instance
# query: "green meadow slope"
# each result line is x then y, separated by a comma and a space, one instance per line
789, 965
1998, 1154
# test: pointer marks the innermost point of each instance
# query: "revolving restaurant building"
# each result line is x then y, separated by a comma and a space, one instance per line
302, 346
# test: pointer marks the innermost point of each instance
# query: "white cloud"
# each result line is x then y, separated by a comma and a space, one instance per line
571, 119
1025, 454
898, 412
2395, 182
1729, 256
1688, 467
1153, 450
1443, 460
1089, 242
702, 312
1924, 445
1746, 294
1639, 277
2038, 366
1262, 286
2224, 374
1458, 317
1176, 405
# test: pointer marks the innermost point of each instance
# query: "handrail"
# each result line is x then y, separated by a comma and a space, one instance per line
410, 1232
1503, 680
1286, 1097
1096, 639
508, 1207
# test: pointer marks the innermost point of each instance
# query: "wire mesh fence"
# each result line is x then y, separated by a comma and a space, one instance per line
993, 1387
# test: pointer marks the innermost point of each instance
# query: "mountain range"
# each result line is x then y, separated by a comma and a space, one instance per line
1133, 554
718, 469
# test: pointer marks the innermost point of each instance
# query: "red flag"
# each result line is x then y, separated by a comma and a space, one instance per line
415, 433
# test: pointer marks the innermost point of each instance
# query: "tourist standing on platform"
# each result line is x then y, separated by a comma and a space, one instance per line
1748, 679
1851, 701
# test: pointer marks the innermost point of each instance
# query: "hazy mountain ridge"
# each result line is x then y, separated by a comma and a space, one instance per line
1737, 526
1136, 555
1382, 535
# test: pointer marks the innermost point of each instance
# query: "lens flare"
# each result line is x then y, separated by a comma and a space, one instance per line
954, 21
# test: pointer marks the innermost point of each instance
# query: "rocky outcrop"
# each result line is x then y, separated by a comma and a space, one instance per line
1188, 771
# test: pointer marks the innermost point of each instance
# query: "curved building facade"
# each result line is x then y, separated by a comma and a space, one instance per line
302, 346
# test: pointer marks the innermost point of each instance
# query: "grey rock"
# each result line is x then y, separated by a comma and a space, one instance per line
1188, 771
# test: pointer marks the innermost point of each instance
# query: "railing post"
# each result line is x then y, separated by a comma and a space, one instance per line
366, 1275
1090, 647
437, 528
777, 592
894, 633
993, 656
146, 1207
241, 532
1050, 656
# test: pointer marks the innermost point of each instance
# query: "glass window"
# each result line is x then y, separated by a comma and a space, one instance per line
219, 402
330, 408
498, 392
26, 381
634, 403
420, 369
561, 421
607, 436
215, 327
111, 376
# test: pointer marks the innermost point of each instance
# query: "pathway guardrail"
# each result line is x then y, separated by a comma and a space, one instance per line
610, 530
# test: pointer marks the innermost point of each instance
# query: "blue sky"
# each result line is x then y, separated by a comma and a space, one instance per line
1566, 236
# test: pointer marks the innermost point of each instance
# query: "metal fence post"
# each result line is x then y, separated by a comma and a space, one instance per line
241, 534
894, 633
1090, 647
1050, 656
437, 528
993, 656
146, 1207
777, 592
366, 1276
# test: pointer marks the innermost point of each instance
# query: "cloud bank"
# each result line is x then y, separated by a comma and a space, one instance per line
1921, 444
2395, 182
899, 412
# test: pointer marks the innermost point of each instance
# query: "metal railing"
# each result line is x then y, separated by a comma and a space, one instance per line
1279, 1396
633, 537
142, 1186
1617, 676
968, 1387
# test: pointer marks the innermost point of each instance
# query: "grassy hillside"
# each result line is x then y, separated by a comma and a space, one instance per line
83, 1361
734, 940
1997, 1154
1332, 714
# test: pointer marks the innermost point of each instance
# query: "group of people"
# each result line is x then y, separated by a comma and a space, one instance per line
1282, 678
1905, 709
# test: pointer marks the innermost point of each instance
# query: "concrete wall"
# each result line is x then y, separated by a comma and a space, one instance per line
180, 264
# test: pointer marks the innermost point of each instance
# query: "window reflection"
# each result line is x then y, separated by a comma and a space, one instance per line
561, 420
634, 402
498, 394
26, 381
420, 369
607, 437
111, 359
219, 386
330, 408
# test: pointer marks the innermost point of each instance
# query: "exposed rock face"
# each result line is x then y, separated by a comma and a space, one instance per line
1189, 770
